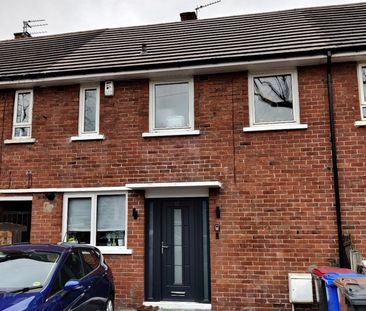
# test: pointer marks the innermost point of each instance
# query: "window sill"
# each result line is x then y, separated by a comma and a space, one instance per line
171, 133
275, 127
360, 123
20, 141
115, 250
87, 137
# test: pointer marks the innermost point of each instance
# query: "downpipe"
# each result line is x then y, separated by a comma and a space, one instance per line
334, 159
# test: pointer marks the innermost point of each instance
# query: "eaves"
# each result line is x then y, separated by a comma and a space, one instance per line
184, 68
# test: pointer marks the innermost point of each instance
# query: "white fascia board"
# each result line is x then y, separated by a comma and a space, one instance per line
203, 184
68, 190
167, 72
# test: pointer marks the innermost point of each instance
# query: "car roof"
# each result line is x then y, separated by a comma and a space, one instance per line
59, 247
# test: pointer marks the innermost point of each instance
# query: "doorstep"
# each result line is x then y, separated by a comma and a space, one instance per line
179, 306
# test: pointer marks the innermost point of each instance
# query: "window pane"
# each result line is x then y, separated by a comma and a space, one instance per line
20, 269
23, 107
90, 110
172, 105
178, 256
22, 132
91, 260
72, 269
111, 220
364, 83
273, 101
79, 220
364, 112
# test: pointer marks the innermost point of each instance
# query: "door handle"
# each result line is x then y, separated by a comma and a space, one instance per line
163, 247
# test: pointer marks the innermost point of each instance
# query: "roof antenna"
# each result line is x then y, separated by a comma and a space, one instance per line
206, 5
33, 24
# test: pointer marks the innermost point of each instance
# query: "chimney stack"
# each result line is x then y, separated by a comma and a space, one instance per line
22, 35
188, 16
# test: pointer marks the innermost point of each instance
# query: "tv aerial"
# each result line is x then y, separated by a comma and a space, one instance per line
33, 24
199, 7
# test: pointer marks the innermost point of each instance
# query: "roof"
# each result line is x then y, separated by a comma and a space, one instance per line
308, 31
60, 247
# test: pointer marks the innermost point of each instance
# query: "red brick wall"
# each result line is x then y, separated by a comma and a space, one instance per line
277, 203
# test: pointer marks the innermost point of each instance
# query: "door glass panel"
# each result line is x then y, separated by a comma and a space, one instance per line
178, 271
151, 249
205, 242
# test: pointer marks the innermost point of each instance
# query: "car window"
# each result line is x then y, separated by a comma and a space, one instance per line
91, 260
72, 268
25, 268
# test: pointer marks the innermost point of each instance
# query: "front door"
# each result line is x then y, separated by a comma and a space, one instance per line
177, 250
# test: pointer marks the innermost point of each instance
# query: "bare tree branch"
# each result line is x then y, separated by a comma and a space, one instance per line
281, 90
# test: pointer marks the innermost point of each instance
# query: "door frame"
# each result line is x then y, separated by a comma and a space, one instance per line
153, 262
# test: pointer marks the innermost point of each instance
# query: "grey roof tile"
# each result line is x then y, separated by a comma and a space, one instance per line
244, 37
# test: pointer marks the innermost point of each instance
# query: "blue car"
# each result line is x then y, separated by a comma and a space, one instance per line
55, 277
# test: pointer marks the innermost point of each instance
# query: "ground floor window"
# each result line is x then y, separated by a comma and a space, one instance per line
15, 221
99, 219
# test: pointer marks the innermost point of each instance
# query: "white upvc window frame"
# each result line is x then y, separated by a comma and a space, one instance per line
123, 250
155, 131
275, 125
86, 135
20, 125
361, 94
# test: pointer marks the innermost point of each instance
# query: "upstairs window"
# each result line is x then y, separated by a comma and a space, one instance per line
362, 76
274, 101
89, 110
22, 122
171, 106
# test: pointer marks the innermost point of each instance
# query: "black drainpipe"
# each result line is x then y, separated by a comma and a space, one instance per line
334, 159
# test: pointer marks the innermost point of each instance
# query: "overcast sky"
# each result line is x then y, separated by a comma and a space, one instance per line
79, 15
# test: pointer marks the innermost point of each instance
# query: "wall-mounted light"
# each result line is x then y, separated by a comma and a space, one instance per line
135, 213
50, 196
218, 212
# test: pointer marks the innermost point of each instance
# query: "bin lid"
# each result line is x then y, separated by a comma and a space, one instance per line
342, 281
355, 293
320, 271
329, 278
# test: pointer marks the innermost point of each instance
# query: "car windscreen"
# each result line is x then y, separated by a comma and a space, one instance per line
25, 269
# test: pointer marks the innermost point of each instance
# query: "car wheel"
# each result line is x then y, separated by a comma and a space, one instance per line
109, 306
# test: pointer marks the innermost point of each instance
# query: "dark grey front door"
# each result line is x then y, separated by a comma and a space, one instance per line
177, 250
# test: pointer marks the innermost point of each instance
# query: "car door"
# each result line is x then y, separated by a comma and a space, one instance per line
98, 293
72, 300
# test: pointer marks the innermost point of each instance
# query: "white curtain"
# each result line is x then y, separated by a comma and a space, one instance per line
111, 213
79, 215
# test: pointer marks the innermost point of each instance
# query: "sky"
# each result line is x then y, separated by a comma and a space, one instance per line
79, 15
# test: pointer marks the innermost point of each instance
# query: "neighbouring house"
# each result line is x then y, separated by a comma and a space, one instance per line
207, 159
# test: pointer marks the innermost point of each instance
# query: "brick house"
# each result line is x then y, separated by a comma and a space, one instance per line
207, 159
